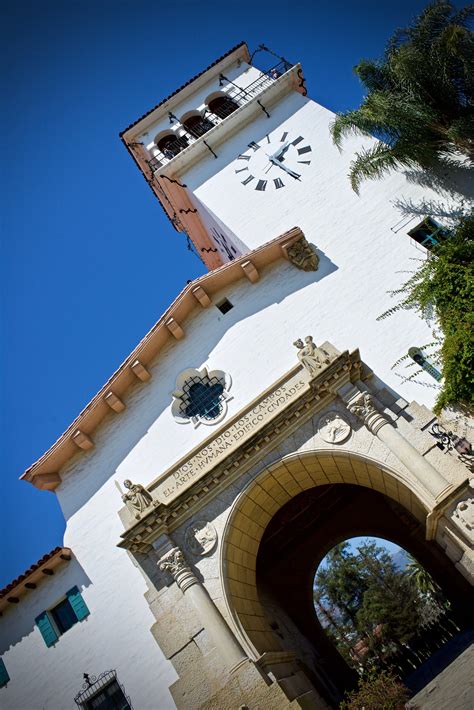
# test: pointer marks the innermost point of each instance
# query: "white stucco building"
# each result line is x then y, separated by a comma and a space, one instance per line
221, 419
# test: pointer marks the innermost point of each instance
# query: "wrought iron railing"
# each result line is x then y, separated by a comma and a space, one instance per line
199, 128
94, 685
237, 96
172, 149
265, 79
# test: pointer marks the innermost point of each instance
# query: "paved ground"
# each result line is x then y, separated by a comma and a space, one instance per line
446, 687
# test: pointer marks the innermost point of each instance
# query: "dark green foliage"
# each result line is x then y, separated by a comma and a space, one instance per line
340, 582
443, 287
377, 691
368, 606
419, 101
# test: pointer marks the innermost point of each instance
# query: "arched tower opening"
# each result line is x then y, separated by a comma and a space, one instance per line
196, 123
221, 105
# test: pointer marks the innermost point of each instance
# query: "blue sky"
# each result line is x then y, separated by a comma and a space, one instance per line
89, 259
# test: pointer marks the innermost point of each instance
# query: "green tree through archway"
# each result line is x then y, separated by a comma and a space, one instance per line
372, 608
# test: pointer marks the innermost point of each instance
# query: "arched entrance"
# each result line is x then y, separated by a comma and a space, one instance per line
285, 522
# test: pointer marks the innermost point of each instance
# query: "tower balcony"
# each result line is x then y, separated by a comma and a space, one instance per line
225, 113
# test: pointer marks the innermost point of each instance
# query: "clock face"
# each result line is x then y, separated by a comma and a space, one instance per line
277, 160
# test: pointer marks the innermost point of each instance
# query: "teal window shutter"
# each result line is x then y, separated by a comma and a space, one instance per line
46, 629
78, 604
4, 677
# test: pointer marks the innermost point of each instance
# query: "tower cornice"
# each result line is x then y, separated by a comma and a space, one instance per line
240, 51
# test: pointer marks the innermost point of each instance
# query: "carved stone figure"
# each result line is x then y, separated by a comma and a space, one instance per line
333, 428
311, 357
200, 537
463, 514
136, 498
302, 255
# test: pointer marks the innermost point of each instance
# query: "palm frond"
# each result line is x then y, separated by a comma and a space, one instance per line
420, 99
372, 163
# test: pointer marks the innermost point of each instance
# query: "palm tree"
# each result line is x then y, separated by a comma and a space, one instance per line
421, 579
420, 100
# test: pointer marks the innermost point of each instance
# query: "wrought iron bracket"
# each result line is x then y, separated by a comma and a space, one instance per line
209, 147
447, 441
263, 108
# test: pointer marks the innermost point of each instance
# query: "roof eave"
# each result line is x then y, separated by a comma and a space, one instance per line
239, 51
45, 472
12, 593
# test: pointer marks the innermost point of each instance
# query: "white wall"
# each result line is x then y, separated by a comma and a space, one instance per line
322, 203
115, 635
253, 342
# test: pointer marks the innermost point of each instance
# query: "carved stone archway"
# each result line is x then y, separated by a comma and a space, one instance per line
379, 502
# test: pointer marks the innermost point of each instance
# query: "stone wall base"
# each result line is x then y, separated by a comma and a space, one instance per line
247, 688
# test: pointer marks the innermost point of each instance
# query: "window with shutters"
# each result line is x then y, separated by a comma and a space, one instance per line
428, 233
55, 621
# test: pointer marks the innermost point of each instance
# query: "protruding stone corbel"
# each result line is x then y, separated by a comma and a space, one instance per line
114, 402
82, 440
201, 296
301, 254
250, 271
175, 329
140, 371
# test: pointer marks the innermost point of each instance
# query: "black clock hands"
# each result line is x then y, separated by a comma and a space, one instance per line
278, 155
275, 161
259, 163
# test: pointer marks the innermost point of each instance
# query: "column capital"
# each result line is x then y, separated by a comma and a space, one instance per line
363, 406
175, 563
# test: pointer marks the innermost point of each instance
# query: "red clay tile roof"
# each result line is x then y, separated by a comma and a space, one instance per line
237, 46
23, 577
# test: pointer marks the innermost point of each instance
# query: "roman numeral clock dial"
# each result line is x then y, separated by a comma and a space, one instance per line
276, 161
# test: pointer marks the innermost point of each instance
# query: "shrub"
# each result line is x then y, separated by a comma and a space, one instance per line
379, 690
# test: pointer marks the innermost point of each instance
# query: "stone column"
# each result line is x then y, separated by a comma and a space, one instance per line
210, 616
362, 405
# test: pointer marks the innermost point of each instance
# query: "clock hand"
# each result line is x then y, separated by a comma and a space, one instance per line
283, 167
281, 151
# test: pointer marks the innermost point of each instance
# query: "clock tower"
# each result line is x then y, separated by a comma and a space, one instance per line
223, 131
240, 155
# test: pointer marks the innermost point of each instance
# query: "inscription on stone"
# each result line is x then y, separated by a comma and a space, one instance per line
176, 482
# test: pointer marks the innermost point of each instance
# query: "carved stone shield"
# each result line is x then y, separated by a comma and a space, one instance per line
200, 537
